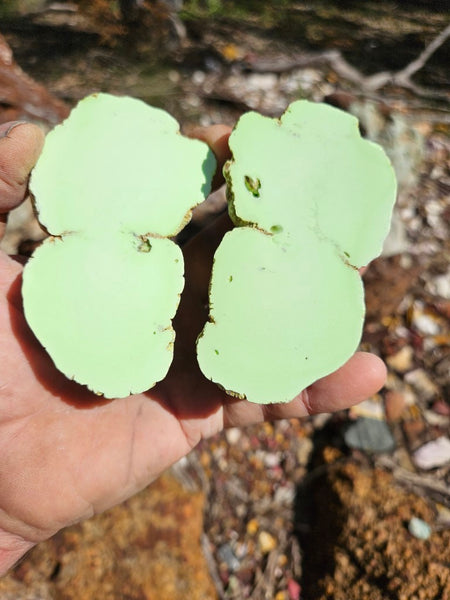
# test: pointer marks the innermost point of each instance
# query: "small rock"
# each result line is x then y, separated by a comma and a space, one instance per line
420, 381
419, 529
240, 550
433, 454
304, 450
282, 561
394, 404
414, 429
271, 460
284, 494
226, 555
266, 542
252, 526
370, 435
198, 77
233, 435
233, 586
443, 516
319, 421
371, 408
402, 361
426, 324
442, 285
435, 419
403, 459
262, 81
294, 590
441, 408
331, 454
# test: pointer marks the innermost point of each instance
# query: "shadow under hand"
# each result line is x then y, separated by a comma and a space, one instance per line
319, 515
185, 391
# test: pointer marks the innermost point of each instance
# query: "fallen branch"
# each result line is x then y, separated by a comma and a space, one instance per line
22, 97
212, 567
405, 74
345, 70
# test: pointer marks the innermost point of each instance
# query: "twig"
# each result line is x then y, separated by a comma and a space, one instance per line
417, 64
212, 566
264, 587
265, 583
347, 71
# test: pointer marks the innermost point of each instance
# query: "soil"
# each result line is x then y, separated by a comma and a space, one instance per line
365, 543
139, 550
286, 510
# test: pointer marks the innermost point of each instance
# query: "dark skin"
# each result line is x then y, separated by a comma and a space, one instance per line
67, 454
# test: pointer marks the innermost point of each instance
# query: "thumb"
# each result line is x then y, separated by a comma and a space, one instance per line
20, 146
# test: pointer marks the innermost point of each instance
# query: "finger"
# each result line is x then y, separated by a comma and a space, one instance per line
20, 146
198, 255
361, 377
216, 136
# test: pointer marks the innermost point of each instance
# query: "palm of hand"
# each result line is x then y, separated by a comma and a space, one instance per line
65, 453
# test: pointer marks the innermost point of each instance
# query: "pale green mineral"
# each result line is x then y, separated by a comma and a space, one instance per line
312, 202
114, 181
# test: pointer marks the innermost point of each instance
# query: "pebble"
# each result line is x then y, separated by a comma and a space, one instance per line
435, 419
440, 286
420, 381
198, 77
419, 529
284, 494
443, 370
371, 408
233, 586
233, 435
226, 555
304, 450
442, 408
262, 81
271, 460
394, 404
443, 516
371, 435
252, 526
320, 420
174, 76
402, 361
433, 454
426, 324
413, 430
266, 542
294, 590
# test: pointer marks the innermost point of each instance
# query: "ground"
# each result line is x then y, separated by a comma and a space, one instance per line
317, 509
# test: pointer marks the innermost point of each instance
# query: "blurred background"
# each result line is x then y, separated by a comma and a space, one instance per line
354, 505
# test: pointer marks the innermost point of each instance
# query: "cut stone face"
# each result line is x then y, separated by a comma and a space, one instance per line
113, 182
312, 202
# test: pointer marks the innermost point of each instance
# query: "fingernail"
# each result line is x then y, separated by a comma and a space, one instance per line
6, 128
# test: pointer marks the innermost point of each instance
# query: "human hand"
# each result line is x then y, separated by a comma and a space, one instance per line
66, 454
